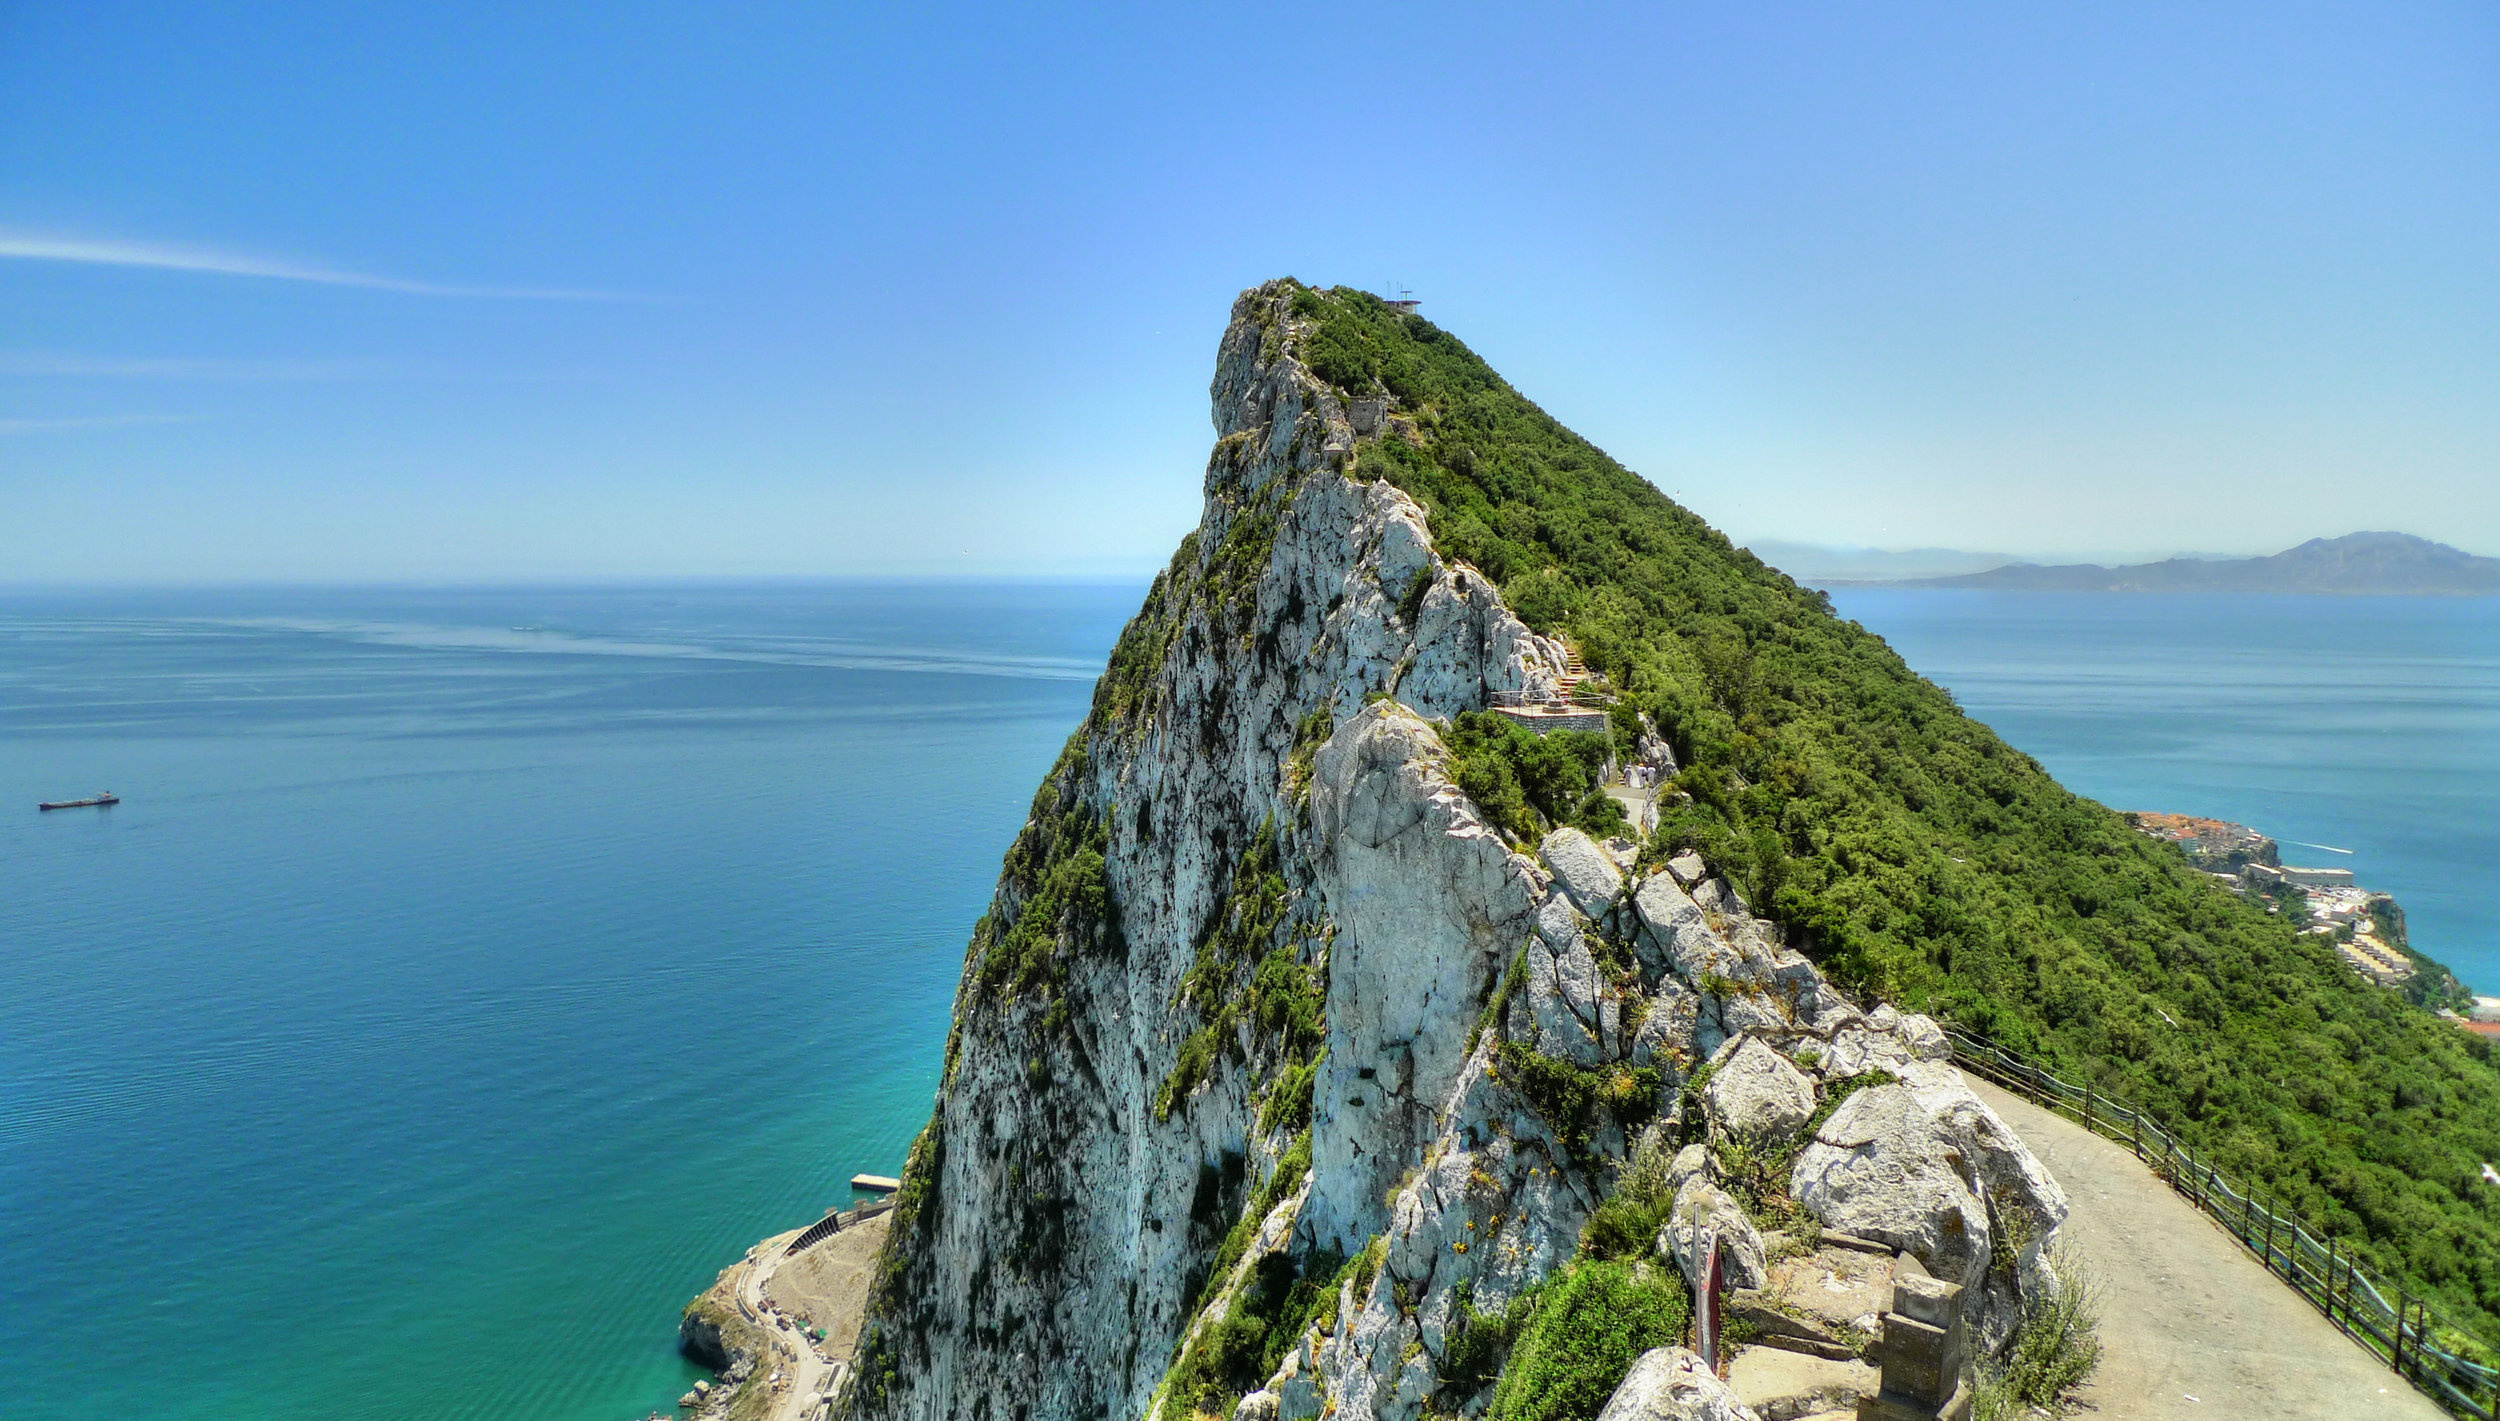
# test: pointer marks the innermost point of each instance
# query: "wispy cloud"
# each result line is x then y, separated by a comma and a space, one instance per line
46, 362
28, 246
98, 421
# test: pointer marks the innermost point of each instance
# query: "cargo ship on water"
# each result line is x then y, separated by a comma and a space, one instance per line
91, 801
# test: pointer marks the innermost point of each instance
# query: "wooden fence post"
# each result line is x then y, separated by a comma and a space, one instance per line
2403, 1305
2328, 1286
2087, 1105
2269, 1236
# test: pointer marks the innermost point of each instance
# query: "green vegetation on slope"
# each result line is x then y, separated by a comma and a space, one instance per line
1917, 856
1284, 1294
1561, 1348
1282, 995
1527, 783
1058, 889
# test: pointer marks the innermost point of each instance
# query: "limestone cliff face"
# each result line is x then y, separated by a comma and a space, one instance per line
1260, 983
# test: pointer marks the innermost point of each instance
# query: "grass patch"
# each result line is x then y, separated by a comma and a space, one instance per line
1575, 1100
2055, 1349
1572, 1339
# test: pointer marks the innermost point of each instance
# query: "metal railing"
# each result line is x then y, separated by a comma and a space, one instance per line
834, 1223
2407, 1334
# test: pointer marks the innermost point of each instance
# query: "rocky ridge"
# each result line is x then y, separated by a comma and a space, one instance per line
1276, 1067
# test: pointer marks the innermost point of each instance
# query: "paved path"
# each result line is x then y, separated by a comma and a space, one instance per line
2191, 1325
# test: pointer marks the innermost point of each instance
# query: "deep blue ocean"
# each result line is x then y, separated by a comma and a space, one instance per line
469, 975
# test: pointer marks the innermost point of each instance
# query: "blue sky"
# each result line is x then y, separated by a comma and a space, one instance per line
317, 292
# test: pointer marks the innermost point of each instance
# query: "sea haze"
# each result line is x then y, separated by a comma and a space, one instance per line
468, 976
446, 1003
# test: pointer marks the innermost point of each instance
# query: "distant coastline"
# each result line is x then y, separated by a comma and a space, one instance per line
2357, 564
2366, 927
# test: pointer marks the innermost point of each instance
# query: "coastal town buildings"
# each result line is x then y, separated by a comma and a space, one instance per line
2367, 928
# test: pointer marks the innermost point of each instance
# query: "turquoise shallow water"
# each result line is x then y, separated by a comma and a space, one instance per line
470, 975
446, 1003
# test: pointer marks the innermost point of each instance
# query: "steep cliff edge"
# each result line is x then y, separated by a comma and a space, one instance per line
1304, 1065
1282, 1070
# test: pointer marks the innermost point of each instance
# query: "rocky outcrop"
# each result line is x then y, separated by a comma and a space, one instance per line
1927, 1167
1705, 1211
1671, 1384
712, 1333
1428, 903
1756, 1093
1269, 1028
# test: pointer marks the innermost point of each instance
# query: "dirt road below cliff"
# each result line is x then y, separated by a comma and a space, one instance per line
783, 1301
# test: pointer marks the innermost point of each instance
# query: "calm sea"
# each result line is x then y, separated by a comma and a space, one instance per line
469, 975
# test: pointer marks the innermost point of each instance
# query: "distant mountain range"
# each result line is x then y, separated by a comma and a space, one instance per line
1816, 563
2382, 563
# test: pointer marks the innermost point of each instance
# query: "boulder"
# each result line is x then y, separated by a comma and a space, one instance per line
1756, 1093
1702, 1207
1688, 869
1257, 1406
1691, 1162
1673, 934
2007, 1171
1296, 1386
1573, 1015
1664, 1037
1925, 1039
1881, 1168
1671, 1384
1717, 895
1583, 871
1858, 1047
